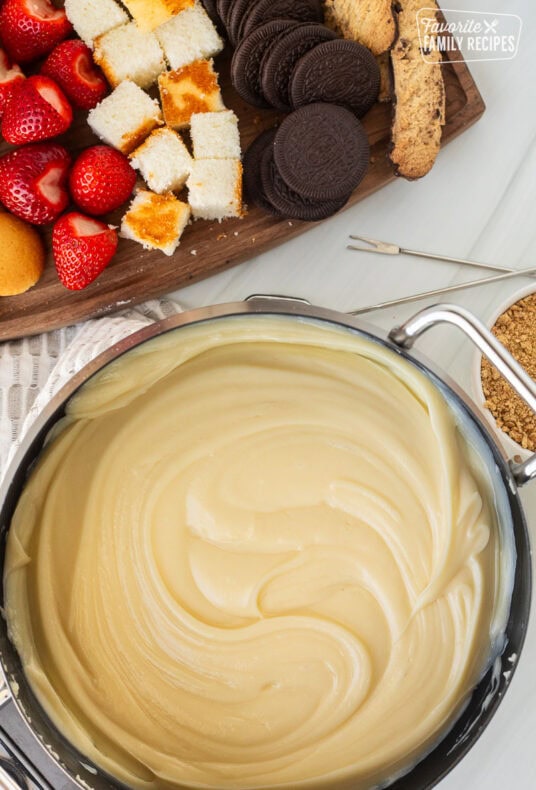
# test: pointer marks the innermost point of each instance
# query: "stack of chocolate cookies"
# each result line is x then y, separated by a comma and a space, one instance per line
239, 17
286, 64
308, 167
286, 58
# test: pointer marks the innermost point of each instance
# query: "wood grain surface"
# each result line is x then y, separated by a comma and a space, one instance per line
207, 247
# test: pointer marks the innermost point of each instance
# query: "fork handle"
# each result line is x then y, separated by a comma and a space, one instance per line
448, 259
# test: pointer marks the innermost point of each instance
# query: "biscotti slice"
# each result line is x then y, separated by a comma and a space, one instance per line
93, 18
149, 14
370, 22
126, 117
125, 53
163, 161
419, 112
215, 188
215, 135
192, 89
189, 36
156, 221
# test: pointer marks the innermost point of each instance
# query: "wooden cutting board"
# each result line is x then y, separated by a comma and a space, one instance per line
208, 247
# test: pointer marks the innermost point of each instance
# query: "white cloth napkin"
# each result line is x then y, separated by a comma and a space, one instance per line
33, 369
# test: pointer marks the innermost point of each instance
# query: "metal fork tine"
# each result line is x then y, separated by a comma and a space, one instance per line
362, 249
372, 242
382, 247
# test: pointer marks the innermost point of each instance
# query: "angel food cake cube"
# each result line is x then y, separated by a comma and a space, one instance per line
191, 89
189, 36
215, 188
149, 14
215, 135
156, 221
125, 53
163, 161
93, 18
126, 117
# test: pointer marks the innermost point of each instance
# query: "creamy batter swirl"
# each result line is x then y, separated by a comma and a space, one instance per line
255, 555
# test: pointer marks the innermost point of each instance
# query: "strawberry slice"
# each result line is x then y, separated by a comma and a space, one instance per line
71, 65
33, 182
82, 248
10, 74
37, 110
32, 28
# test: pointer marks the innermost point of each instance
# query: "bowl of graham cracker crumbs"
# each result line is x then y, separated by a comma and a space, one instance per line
514, 325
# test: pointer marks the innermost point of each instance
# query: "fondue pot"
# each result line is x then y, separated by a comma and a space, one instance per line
507, 477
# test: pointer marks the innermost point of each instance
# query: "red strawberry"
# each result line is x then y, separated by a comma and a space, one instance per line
33, 182
71, 65
32, 28
37, 110
82, 248
10, 75
101, 180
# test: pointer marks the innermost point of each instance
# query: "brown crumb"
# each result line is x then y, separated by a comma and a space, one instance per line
515, 329
221, 236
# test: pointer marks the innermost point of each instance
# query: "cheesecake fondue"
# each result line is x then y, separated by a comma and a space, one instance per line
254, 554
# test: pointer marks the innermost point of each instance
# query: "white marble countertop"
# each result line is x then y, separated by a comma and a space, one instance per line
479, 202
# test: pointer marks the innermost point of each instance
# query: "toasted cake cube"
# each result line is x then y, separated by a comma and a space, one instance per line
149, 14
215, 188
215, 135
163, 161
156, 221
125, 53
189, 36
92, 18
126, 117
192, 89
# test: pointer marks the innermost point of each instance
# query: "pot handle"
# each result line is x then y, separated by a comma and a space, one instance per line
16, 772
405, 336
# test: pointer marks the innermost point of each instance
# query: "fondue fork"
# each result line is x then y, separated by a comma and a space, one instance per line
439, 291
386, 248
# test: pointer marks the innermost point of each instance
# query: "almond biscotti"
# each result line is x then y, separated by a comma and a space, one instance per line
419, 111
371, 22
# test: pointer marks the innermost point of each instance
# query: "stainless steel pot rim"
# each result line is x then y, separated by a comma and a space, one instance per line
397, 340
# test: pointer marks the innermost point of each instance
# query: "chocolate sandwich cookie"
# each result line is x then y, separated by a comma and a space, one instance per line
248, 56
322, 151
264, 10
223, 7
253, 189
279, 63
288, 203
339, 72
235, 17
